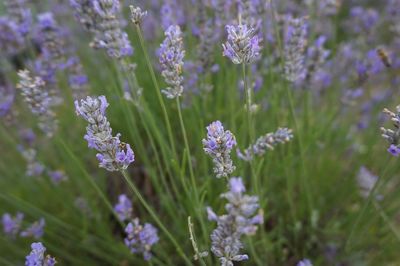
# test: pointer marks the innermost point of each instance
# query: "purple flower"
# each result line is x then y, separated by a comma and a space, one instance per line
243, 44
123, 208
304, 262
35, 230
393, 136
113, 155
394, 150
295, 43
38, 100
12, 225
239, 220
101, 17
266, 142
37, 256
57, 176
11, 40
171, 55
20, 14
218, 145
140, 238
7, 97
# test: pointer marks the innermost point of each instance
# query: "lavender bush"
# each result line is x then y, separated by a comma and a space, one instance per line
207, 132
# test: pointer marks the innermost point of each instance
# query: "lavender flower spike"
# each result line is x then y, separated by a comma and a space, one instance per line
243, 45
294, 49
113, 155
239, 220
137, 15
171, 55
218, 145
266, 142
38, 101
393, 136
140, 238
37, 257
123, 208
36, 230
12, 225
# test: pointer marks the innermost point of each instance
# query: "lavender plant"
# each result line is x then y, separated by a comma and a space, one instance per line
240, 220
171, 55
113, 155
219, 144
37, 256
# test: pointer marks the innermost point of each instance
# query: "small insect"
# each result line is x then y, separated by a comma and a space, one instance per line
122, 145
384, 57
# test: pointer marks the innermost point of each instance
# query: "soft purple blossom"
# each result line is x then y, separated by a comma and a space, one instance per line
37, 256
171, 55
219, 144
35, 230
38, 100
101, 17
240, 220
57, 176
393, 136
11, 40
12, 225
304, 262
266, 142
243, 44
140, 238
113, 155
295, 43
123, 208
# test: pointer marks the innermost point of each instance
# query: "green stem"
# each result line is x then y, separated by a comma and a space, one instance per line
365, 207
158, 91
155, 217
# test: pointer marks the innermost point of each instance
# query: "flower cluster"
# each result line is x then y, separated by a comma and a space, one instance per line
113, 155
20, 14
57, 176
393, 136
123, 208
295, 43
240, 220
316, 57
137, 15
38, 101
34, 167
304, 262
11, 40
77, 80
35, 230
37, 256
266, 142
140, 238
243, 44
218, 145
101, 18
171, 55
12, 225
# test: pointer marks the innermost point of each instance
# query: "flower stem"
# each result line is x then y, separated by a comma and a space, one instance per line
155, 217
158, 91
